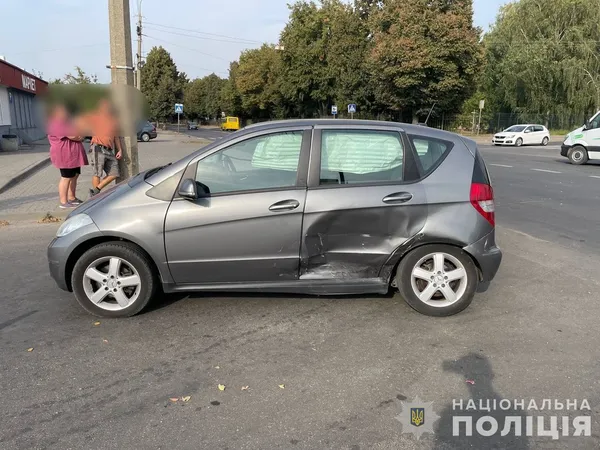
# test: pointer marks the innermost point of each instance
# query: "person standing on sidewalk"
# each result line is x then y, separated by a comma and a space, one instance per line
66, 154
105, 147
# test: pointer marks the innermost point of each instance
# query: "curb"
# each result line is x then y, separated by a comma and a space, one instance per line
28, 172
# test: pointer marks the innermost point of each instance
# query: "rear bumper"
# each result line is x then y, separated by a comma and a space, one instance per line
564, 150
488, 256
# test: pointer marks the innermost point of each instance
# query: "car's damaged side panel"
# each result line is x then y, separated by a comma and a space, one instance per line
349, 233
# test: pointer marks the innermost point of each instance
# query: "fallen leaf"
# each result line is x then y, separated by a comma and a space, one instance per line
173, 399
221, 387
282, 386
30, 349
471, 382
96, 324
105, 341
245, 388
186, 398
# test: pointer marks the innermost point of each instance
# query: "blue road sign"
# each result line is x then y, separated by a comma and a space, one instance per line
334, 110
351, 108
178, 108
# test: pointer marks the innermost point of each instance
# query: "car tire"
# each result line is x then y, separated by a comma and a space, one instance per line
545, 141
578, 155
414, 288
96, 263
519, 142
145, 137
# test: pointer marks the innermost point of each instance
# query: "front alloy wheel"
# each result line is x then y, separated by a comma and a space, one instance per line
113, 280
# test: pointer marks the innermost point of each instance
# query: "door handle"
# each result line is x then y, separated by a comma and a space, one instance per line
399, 197
285, 205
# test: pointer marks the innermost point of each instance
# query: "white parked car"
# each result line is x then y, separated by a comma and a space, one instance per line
519, 135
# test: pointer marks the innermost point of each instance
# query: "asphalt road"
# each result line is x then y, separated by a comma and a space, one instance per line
212, 134
344, 364
540, 193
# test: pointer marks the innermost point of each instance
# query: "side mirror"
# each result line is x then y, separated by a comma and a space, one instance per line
188, 189
586, 126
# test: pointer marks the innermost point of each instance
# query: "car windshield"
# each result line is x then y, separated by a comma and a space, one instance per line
516, 129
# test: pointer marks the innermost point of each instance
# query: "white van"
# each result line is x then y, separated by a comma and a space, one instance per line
583, 144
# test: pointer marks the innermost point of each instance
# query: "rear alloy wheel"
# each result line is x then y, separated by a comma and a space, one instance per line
145, 137
578, 155
545, 141
113, 280
519, 142
437, 280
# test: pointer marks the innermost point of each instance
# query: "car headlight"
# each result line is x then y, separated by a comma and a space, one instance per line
74, 223
510, 136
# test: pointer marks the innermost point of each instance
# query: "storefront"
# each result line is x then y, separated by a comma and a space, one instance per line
20, 108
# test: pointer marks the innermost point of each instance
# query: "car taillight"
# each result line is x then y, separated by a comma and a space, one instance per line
482, 199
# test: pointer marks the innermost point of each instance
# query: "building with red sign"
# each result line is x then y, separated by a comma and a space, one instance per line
20, 105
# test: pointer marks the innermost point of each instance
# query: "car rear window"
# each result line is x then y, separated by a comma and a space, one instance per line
357, 156
430, 151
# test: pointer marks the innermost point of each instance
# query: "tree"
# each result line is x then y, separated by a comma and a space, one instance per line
231, 99
79, 77
424, 52
258, 80
307, 83
161, 83
543, 56
202, 97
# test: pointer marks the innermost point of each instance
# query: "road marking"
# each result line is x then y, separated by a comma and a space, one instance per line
500, 165
547, 171
594, 176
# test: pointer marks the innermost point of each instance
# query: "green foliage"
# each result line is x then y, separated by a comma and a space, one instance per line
425, 52
257, 81
162, 84
79, 77
543, 56
202, 97
231, 99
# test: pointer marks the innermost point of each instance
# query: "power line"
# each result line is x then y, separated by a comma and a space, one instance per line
60, 49
186, 48
201, 33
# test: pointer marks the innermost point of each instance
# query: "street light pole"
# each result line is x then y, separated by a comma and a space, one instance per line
121, 63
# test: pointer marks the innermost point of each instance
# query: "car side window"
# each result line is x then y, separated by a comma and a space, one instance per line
264, 162
595, 123
538, 128
429, 151
361, 156
528, 130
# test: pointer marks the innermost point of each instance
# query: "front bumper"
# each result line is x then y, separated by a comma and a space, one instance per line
564, 150
488, 257
60, 249
503, 141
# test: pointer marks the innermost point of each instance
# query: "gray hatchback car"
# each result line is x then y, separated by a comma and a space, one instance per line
324, 207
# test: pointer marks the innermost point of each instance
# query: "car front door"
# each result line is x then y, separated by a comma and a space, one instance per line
361, 202
528, 136
246, 227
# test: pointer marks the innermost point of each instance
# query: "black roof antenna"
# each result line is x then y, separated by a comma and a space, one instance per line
429, 115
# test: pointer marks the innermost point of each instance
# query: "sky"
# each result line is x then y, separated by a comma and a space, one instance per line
54, 36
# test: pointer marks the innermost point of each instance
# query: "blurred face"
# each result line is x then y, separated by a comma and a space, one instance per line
60, 112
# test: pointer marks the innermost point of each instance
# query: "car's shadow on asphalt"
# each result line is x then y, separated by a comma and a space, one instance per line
167, 300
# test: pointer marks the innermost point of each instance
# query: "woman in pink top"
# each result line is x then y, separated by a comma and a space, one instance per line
67, 154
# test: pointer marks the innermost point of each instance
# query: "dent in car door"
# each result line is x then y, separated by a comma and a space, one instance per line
239, 236
351, 229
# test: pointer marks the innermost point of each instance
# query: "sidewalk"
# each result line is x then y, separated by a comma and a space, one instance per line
34, 197
15, 166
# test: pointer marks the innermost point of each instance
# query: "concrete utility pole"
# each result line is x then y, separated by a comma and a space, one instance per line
121, 64
138, 65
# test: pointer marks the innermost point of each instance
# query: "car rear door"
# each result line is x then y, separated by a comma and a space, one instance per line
248, 228
362, 202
